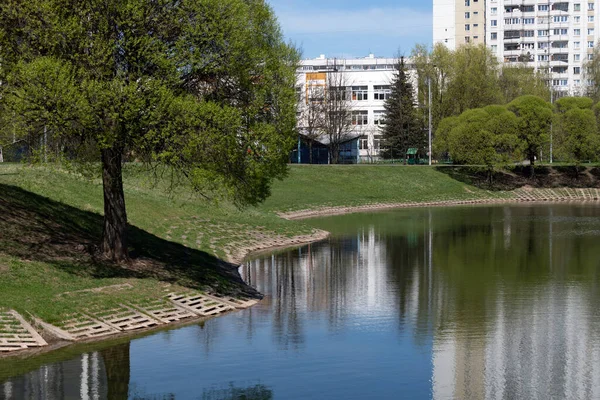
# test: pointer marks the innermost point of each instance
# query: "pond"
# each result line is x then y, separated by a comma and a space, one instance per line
477, 302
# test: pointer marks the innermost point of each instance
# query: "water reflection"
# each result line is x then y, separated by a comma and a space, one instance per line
509, 295
83, 377
466, 303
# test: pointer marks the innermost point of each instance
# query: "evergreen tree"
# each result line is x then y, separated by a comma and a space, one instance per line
402, 128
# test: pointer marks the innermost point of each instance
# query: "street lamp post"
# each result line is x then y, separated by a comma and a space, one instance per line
551, 128
429, 90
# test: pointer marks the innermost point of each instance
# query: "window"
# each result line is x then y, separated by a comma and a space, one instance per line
467, 27
577, 82
376, 142
560, 18
493, 10
577, 32
590, 31
528, 21
562, 31
543, 7
494, 36
543, 32
543, 57
493, 22
379, 117
494, 47
590, 18
360, 117
528, 33
577, 45
467, 15
382, 92
339, 92
577, 19
467, 3
590, 44
590, 6
360, 93
467, 39
577, 70
316, 94
363, 143
577, 7
543, 45
590, 57
577, 57
560, 82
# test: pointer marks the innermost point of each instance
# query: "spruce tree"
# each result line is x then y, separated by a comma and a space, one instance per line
402, 128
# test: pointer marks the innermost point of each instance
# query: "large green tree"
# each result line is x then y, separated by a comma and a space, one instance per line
481, 136
402, 128
520, 80
576, 130
534, 118
205, 87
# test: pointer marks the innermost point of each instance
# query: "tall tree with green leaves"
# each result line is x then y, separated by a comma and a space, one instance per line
520, 80
402, 128
204, 87
481, 136
534, 118
576, 130
591, 75
474, 80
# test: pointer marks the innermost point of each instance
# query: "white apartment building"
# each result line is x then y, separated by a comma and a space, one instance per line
552, 36
368, 82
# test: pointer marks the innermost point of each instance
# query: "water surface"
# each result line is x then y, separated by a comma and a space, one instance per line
461, 303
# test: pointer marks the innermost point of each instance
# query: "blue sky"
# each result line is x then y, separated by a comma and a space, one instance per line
352, 28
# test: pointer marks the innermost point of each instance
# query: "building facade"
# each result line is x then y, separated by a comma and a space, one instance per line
456, 22
368, 84
555, 37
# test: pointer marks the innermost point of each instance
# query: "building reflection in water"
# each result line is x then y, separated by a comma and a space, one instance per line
90, 376
506, 294
504, 299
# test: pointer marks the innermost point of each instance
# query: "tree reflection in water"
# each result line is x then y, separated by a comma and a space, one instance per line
500, 302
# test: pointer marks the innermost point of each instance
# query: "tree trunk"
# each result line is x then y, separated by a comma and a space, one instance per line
115, 216
532, 166
310, 144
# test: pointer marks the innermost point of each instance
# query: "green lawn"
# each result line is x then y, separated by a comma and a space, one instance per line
312, 186
50, 221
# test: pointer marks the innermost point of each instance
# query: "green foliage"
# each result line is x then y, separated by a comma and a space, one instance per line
402, 128
591, 72
482, 136
576, 130
469, 77
440, 141
534, 117
204, 86
568, 103
474, 80
520, 80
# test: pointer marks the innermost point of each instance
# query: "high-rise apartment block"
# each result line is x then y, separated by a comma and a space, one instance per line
556, 37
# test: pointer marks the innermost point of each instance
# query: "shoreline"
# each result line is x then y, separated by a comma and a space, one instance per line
532, 196
343, 210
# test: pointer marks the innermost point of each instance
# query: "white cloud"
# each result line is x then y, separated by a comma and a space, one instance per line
387, 21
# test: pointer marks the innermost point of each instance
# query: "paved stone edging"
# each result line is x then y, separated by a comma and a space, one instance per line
520, 196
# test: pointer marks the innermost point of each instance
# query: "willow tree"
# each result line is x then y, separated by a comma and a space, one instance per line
534, 117
576, 130
205, 87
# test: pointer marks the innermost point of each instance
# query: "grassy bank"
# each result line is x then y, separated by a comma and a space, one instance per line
50, 222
